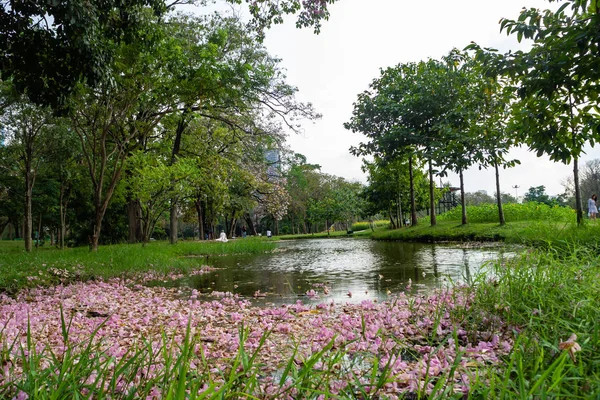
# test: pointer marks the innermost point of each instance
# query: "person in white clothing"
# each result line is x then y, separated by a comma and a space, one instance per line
222, 237
592, 207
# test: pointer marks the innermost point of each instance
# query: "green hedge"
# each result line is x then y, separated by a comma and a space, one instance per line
361, 226
530, 211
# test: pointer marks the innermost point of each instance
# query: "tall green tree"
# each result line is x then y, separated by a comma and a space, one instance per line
388, 189
29, 134
557, 81
402, 114
233, 81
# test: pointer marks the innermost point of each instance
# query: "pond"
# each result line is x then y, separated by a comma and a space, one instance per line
341, 270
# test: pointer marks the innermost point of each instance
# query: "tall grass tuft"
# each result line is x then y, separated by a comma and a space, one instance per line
547, 297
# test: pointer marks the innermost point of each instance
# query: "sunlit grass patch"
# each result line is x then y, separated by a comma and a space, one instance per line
19, 269
361, 226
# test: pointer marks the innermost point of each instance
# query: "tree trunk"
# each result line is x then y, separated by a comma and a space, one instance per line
62, 213
133, 217
462, 198
181, 125
232, 227
391, 217
578, 205
198, 204
400, 219
28, 219
251, 226
173, 222
95, 239
432, 218
39, 232
499, 196
413, 206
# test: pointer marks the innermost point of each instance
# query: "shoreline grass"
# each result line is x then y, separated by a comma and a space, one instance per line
49, 266
550, 297
529, 233
323, 235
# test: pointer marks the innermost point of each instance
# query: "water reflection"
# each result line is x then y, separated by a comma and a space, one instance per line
353, 270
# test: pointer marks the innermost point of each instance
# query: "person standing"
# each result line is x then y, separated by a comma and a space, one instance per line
592, 207
244, 231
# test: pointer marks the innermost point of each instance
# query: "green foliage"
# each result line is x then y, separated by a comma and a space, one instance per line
48, 48
538, 194
549, 295
557, 114
530, 211
361, 226
388, 190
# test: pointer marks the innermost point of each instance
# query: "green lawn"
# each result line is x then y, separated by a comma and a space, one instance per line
323, 235
535, 233
47, 263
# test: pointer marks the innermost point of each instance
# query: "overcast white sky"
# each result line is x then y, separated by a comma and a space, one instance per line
361, 37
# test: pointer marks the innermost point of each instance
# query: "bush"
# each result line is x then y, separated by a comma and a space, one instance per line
530, 211
361, 226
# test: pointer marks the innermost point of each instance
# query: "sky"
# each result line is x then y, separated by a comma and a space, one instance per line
362, 36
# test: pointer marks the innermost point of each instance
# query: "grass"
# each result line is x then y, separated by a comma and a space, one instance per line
530, 233
546, 300
177, 372
50, 265
547, 296
323, 235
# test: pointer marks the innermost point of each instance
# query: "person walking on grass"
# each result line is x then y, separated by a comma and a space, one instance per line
592, 208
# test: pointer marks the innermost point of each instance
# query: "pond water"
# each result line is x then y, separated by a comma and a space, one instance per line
352, 269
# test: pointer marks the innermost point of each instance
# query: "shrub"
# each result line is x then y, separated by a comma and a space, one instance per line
530, 211
361, 226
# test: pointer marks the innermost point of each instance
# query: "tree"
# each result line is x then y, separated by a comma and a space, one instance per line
459, 128
303, 182
139, 80
29, 129
538, 194
401, 115
240, 87
388, 189
153, 182
557, 81
47, 48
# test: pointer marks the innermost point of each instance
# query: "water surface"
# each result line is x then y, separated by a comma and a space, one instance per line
352, 269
